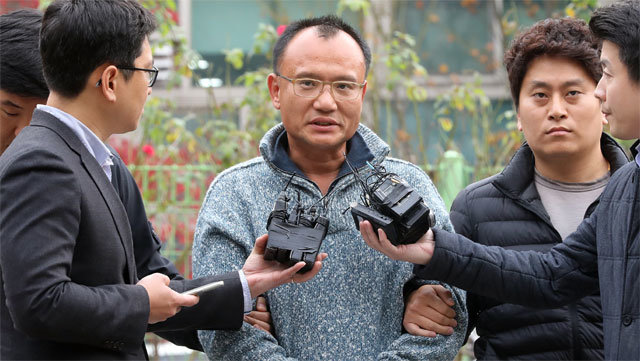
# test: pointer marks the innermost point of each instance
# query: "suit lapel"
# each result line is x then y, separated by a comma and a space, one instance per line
117, 210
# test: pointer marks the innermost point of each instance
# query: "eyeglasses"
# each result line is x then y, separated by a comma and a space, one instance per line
152, 74
311, 88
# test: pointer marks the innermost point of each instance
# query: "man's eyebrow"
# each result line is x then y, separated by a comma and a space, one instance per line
605, 63
543, 84
538, 84
573, 82
11, 104
306, 74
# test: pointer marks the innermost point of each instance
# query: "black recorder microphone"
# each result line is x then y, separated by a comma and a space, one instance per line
297, 235
390, 203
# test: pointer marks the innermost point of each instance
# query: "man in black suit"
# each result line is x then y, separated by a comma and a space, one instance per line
70, 288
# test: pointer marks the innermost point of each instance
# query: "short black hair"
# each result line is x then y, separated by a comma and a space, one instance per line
566, 38
20, 64
619, 23
78, 36
327, 27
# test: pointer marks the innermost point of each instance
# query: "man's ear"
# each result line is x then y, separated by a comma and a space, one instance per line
274, 90
519, 123
108, 82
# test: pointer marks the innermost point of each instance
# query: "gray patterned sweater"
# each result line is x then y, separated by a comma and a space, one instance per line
353, 309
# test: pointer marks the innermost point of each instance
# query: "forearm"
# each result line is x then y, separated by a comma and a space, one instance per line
418, 348
410, 347
219, 309
249, 343
528, 278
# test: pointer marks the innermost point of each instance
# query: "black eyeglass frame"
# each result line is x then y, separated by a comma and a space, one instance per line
154, 71
293, 82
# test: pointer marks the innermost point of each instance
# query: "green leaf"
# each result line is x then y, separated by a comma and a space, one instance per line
235, 57
354, 6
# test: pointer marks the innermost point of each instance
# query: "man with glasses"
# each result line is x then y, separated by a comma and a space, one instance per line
69, 277
151, 74
353, 309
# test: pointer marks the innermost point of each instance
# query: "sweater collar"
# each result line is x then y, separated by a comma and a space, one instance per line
357, 153
364, 146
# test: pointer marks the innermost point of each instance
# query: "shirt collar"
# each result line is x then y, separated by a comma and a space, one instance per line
91, 141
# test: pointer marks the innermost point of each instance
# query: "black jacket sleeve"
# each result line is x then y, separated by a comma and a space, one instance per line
566, 273
463, 225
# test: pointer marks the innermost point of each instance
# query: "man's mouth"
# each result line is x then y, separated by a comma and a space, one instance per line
558, 130
324, 122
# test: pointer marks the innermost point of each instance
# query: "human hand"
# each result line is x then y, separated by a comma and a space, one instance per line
418, 253
260, 318
163, 301
429, 311
263, 275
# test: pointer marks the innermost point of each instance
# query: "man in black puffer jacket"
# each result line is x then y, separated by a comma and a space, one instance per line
551, 184
502, 211
604, 250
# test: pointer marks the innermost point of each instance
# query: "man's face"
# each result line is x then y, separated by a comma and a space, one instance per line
320, 123
620, 96
134, 92
15, 114
558, 111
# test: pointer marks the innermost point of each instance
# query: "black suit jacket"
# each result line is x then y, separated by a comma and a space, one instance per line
67, 263
219, 309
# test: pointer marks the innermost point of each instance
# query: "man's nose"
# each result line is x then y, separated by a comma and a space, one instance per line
558, 109
325, 100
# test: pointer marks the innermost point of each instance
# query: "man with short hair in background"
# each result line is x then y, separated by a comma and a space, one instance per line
552, 183
605, 248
